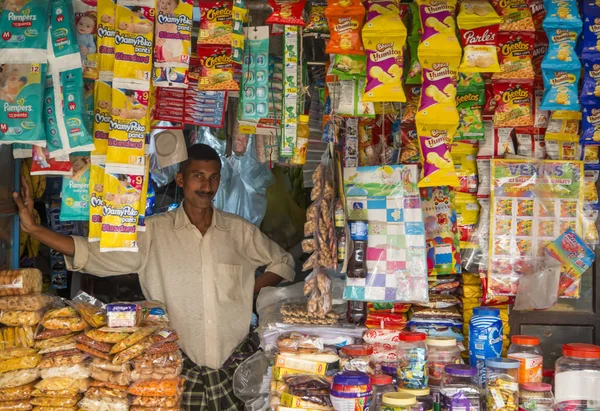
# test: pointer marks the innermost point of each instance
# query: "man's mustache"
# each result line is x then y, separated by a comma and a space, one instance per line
204, 193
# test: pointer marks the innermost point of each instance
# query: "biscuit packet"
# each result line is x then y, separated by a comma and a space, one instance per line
122, 193
561, 89
21, 101
345, 25
470, 97
173, 43
96, 195
513, 104
75, 204
515, 14
286, 12
105, 36
439, 31
384, 57
478, 23
102, 118
24, 28
515, 50
217, 69
215, 23
130, 125
134, 35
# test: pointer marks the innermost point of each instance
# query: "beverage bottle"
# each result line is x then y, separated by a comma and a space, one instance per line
302, 134
357, 267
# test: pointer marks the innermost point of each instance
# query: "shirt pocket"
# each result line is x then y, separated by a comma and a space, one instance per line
228, 283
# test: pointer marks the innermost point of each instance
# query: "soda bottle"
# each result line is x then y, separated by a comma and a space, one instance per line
357, 267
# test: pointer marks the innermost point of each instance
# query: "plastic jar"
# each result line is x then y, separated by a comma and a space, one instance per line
424, 398
382, 384
441, 351
536, 396
527, 351
459, 388
577, 375
502, 384
397, 401
412, 360
485, 338
356, 358
351, 390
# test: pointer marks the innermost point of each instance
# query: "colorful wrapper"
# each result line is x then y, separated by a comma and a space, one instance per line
106, 38
96, 203
86, 29
102, 117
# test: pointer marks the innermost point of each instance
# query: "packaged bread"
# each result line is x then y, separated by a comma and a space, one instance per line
20, 282
68, 384
62, 360
19, 318
132, 339
111, 338
55, 342
16, 378
55, 401
11, 337
77, 371
20, 363
20, 405
153, 388
16, 352
113, 377
97, 345
154, 402
22, 392
31, 302
133, 351
105, 404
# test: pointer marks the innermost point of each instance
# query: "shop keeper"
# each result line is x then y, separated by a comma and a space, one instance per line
196, 259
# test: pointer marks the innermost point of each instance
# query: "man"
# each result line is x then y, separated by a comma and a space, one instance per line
200, 262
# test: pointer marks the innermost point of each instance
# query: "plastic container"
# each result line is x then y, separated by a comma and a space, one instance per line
381, 384
356, 358
412, 361
485, 338
391, 368
302, 135
459, 389
441, 351
527, 351
502, 384
351, 390
577, 377
424, 398
536, 396
397, 401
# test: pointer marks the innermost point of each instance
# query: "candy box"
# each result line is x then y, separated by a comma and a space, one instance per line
570, 250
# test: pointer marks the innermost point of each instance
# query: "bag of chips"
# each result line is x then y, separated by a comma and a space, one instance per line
345, 26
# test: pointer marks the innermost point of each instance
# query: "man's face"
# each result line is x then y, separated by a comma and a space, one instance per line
200, 182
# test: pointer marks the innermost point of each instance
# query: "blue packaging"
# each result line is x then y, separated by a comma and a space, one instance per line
591, 123
591, 37
485, 338
359, 230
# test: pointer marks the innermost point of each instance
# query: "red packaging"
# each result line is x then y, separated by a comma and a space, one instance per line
540, 47
409, 149
413, 97
530, 142
217, 69
215, 22
538, 13
43, 164
513, 104
515, 51
287, 12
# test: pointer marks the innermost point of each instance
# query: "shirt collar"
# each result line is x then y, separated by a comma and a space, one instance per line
182, 220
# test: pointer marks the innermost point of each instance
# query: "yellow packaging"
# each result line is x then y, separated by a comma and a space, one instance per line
384, 37
467, 215
96, 194
102, 117
120, 212
439, 30
142, 217
106, 38
302, 364
134, 34
279, 373
129, 127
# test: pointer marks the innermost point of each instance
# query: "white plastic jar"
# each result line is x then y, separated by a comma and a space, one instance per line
577, 377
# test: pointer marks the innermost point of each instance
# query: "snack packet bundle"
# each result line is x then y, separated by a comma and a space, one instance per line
516, 15
316, 22
516, 56
134, 34
384, 36
479, 23
21, 101
215, 23
105, 36
173, 45
218, 69
120, 212
96, 194
470, 97
129, 127
75, 204
439, 32
24, 28
345, 25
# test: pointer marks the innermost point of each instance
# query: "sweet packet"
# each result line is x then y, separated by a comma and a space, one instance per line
24, 28
75, 205
345, 25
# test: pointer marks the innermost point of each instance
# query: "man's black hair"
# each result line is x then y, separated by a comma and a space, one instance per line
200, 152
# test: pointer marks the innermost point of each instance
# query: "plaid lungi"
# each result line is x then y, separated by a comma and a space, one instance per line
207, 389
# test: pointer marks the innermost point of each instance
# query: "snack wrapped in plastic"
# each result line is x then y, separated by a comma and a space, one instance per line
11, 337
39, 408
22, 392
162, 348
153, 388
92, 351
53, 342
113, 377
90, 308
157, 366
43, 334
56, 401
133, 351
153, 313
62, 384
105, 392
100, 364
106, 337
16, 378
132, 339
20, 405
63, 312
32, 302
19, 363
20, 282
58, 348
77, 371
154, 402
136, 408
62, 360
19, 318
106, 404
65, 323
16, 352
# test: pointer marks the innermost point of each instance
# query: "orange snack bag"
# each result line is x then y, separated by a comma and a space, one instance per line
345, 27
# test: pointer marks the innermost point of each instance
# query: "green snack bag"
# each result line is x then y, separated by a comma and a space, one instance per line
470, 98
347, 67
413, 74
415, 26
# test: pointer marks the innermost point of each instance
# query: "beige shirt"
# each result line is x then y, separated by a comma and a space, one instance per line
206, 282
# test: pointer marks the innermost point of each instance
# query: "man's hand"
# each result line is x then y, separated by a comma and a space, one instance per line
24, 202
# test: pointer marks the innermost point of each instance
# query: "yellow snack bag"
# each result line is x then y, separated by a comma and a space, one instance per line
106, 38
96, 194
439, 30
435, 140
134, 33
467, 215
129, 127
479, 23
384, 58
102, 118
120, 213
